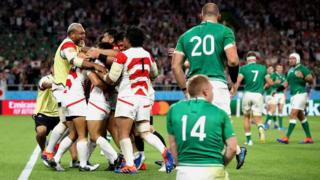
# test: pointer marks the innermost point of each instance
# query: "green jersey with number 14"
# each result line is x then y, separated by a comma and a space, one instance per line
203, 46
253, 77
200, 130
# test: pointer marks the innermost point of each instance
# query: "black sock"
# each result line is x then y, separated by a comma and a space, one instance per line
139, 143
160, 137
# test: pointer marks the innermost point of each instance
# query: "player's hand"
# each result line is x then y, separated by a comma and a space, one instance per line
93, 53
299, 74
85, 49
278, 81
100, 68
171, 51
233, 91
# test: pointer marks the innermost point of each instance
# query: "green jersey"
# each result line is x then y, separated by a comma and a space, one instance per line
200, 130
270, 89
253, 77
276, 76
203, 46
297, 85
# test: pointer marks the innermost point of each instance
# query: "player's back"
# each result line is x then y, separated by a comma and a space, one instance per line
203, 45
138, 65
199, 131
75, 84
253, 77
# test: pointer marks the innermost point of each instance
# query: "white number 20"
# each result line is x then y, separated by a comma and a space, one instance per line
203, 42
196, 131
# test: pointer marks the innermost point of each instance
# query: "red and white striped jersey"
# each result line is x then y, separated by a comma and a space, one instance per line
74, 91
97, 94
138, 65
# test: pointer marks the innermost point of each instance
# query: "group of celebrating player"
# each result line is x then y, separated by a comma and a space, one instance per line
114, 81
90, 87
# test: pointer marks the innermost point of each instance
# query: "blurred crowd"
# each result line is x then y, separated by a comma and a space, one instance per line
31, 30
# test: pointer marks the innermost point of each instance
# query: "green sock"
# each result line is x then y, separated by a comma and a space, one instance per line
267, 118
292, 124
260, 126
280, 121
274, 118
248, 137
306, 128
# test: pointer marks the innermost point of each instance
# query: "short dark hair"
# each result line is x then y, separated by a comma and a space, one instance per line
135, 36
119, 37
112, 32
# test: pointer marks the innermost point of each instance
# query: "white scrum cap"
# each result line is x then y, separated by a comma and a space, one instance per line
295, 55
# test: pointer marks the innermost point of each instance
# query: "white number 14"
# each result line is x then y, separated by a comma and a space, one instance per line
197, 130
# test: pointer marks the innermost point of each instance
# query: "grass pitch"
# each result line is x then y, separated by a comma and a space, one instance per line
264, 161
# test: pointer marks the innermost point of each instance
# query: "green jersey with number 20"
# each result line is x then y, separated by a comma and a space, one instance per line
200, 130
253, 77
203, 46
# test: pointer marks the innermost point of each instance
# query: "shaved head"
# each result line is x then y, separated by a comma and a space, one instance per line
210, 9
73, 27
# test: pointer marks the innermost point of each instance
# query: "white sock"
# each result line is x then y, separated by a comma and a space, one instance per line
61, 113
107, 149
82, 148
64, 146
238, 150
55, 136
91, 147
154, 141
126, 148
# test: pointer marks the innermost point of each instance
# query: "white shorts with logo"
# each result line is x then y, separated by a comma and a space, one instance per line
97, 111
221, 95
201, 173
280, 98
137, 108
58, 92
299, 101
76, 108
269, 99
252, 102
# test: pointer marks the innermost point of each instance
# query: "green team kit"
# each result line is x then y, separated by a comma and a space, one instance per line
200, 130
203, 46
274, 77
297, 85
253, 77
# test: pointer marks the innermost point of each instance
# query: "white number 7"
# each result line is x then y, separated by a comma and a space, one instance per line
255, 75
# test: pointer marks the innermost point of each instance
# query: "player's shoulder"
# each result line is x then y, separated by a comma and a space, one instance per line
67, 43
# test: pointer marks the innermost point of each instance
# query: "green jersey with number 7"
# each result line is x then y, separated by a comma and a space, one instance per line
203, 46
253, 77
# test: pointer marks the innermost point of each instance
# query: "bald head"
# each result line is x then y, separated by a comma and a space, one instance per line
210, 10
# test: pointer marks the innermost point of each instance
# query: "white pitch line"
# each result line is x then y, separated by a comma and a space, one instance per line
32, 161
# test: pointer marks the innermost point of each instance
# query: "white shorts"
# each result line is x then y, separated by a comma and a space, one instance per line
252, 102
299, 101
58, 92
76, 108
280, 98
137, 108
221, 96
270, 100
97, 111
201, 173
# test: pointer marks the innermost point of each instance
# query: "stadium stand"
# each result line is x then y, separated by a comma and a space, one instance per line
31, 30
